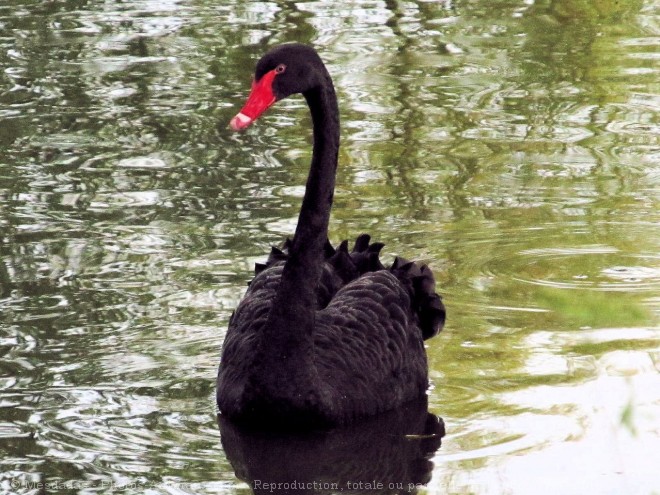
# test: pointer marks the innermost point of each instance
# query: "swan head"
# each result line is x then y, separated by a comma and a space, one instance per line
285, 70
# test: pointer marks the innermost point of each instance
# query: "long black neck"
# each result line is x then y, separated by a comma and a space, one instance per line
292, 315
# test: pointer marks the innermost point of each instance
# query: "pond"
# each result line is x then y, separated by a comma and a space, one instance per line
514, 145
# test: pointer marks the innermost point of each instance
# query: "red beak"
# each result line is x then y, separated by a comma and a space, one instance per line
260, 99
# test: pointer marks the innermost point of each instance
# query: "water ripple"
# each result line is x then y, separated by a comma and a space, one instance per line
514, 146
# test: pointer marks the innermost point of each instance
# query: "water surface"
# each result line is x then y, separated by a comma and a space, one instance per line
514, 145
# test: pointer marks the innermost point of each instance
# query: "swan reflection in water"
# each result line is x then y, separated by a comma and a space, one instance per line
389, 453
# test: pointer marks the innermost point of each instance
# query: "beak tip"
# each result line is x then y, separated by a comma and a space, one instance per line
240, 122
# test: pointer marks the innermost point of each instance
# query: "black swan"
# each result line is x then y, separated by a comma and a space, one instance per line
323, 336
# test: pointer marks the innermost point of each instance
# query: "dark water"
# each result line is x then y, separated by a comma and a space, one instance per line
512, 144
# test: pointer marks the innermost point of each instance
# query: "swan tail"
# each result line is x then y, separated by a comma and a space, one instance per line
426, 303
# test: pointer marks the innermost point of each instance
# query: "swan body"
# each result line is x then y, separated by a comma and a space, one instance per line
323, 336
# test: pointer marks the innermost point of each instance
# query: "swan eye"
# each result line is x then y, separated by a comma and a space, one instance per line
280, 68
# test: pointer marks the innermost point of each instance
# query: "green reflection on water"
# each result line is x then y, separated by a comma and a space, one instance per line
513, 145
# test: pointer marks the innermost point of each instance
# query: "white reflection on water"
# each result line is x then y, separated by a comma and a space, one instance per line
514, 145
594, 435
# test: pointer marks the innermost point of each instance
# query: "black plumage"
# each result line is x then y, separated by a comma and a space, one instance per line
324, 335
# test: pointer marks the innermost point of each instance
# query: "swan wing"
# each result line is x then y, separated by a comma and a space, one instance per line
369, 349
